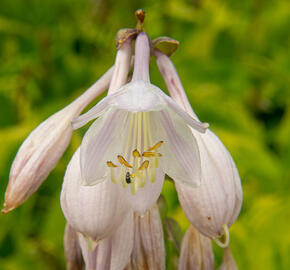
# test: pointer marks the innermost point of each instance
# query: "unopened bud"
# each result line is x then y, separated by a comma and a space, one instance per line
228, 262
112, 252
44, 146
148, 251
213, 206
196, 252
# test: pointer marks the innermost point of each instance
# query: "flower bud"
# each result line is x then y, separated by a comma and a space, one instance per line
73, 255
95, 211
113, 252
228, 261
196, 252
42, 149
148, 251
216, 203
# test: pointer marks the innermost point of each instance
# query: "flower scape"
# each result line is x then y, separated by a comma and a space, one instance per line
139, 136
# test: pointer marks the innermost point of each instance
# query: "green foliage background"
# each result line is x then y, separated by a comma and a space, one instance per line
234, 62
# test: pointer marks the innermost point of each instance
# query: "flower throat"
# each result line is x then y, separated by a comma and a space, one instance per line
140, 158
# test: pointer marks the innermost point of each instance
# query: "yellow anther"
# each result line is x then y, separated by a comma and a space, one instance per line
124, 162
111, 164
144, 165
132, 175
136, 153
154, 147
148, 154
151, 154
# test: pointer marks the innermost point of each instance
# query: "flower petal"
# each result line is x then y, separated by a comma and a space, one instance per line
180, 158
94, 211
201, 127
151, 232
148, 195
103, 141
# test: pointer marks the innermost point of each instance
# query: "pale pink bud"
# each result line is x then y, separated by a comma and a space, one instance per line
148, 251
228, 261
42, 149
196, 252
214, 206
73, 255
113, 252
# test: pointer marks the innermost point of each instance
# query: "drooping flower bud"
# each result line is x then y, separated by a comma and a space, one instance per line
42, 149
113, 252
95, 211
73, 254
228, 261
215, 204
196, 252
148, 251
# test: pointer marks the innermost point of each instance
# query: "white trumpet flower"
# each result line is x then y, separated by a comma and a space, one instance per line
140, 135
214, 206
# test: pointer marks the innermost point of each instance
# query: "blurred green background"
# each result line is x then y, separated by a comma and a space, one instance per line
234, 62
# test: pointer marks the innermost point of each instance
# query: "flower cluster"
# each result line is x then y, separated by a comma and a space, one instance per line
115, 177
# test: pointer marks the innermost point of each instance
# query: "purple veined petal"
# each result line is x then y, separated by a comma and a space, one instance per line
93, 113
180, 155
151, 233
201, 127
96, 211
122, 243
103, 142
148, 195
211, 205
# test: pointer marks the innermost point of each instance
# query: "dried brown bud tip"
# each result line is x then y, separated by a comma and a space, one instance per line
166, 45
123, 35
140, 15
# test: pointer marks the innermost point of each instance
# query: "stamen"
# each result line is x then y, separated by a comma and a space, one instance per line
157, 145
136, 153
144, 165
124, 162
151, 154
111, 164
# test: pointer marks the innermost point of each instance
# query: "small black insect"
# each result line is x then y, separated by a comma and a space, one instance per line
128, 178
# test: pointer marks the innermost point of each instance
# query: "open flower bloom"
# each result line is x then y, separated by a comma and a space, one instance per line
214, 206
140, 135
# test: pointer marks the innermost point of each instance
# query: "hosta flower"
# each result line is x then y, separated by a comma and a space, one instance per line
96, 211
44, 146
215, 205
140, 135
